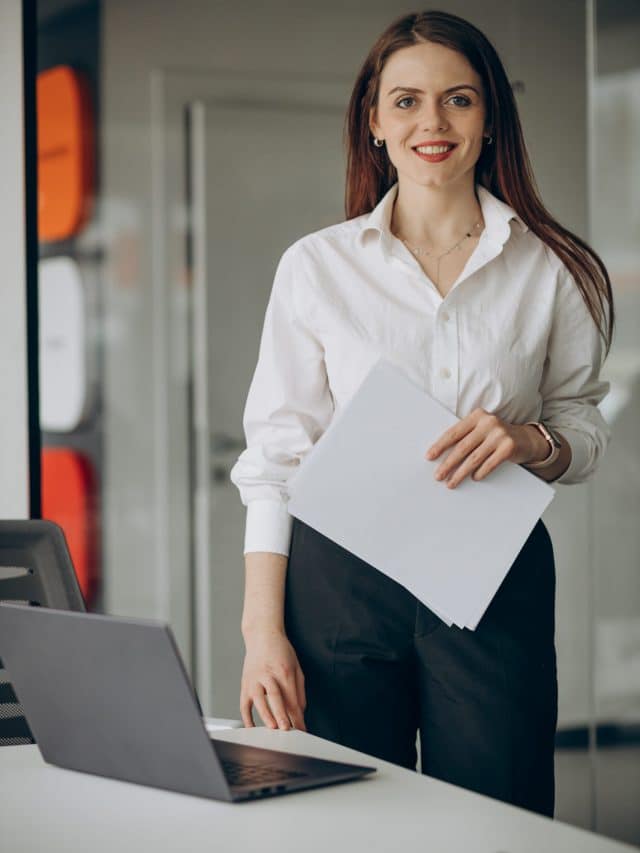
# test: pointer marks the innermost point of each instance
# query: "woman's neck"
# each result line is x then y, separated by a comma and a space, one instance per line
434, 216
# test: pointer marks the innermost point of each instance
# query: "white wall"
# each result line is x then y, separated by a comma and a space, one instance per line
14, 459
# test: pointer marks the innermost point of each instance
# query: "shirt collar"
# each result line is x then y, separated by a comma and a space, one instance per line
497, 216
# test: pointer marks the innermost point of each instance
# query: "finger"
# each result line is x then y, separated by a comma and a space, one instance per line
446, 440
245, 711
459, 454
489, 465
471, 464
260, 701
297, 718
453, 459
290, 692
277, 704
302, 699
452, 435
439, 446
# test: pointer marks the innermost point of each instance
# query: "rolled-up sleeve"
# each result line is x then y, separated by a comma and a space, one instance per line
289, 405
571, 387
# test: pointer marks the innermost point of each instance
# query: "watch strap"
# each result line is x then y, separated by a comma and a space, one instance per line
554, 446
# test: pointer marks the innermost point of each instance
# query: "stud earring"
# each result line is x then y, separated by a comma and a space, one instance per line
378, 142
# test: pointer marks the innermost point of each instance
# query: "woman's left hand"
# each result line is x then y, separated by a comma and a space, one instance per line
482, 442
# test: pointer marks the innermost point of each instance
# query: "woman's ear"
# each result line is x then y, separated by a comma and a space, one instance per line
373, 124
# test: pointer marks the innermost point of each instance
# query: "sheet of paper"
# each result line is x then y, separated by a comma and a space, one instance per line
367, 486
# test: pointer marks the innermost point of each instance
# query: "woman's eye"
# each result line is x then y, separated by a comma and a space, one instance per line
462, 98
406, 98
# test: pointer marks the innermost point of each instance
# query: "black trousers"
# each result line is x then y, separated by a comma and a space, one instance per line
379, 665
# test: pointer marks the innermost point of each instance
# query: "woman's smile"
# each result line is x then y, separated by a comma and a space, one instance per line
434, 153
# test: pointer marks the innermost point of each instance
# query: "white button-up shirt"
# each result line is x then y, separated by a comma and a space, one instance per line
512, 335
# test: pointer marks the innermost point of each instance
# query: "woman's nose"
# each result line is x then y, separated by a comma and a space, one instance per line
432, 117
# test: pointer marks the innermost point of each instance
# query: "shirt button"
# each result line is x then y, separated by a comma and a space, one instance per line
445, 373
445, 316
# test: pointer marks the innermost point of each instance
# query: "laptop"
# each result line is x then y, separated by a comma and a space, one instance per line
110, 696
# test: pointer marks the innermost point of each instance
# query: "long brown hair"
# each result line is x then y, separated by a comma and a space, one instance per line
503, 168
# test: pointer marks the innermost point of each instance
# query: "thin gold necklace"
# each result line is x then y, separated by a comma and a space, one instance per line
418, 250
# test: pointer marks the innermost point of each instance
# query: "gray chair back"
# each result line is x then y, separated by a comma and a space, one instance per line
35, 569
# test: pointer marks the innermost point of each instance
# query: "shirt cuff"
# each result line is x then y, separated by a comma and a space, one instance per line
268, 527
580, 467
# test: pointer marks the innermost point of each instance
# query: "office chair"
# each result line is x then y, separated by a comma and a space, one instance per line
35, 568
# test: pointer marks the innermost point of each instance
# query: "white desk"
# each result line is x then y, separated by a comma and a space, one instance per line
43, 808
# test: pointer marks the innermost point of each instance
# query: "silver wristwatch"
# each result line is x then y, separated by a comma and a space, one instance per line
554, 445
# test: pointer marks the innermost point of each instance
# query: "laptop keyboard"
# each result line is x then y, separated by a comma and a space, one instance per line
238, 773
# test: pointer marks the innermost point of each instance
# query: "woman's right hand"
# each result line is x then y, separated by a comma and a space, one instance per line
273, 681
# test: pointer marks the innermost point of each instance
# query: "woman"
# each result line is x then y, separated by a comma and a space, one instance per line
449, 265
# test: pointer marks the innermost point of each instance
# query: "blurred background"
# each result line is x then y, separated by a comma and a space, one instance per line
168, 134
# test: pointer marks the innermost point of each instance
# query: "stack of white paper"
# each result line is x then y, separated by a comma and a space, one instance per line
367, 486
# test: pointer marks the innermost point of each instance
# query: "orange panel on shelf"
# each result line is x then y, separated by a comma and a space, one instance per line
69, 499
65, 152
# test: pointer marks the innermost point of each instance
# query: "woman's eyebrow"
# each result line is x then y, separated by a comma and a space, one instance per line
420, 92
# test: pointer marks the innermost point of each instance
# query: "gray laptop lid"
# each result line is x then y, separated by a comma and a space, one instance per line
89, 684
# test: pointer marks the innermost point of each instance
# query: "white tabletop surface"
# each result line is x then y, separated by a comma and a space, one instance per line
47, 808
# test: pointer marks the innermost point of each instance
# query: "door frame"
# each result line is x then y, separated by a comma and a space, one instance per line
19, 432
